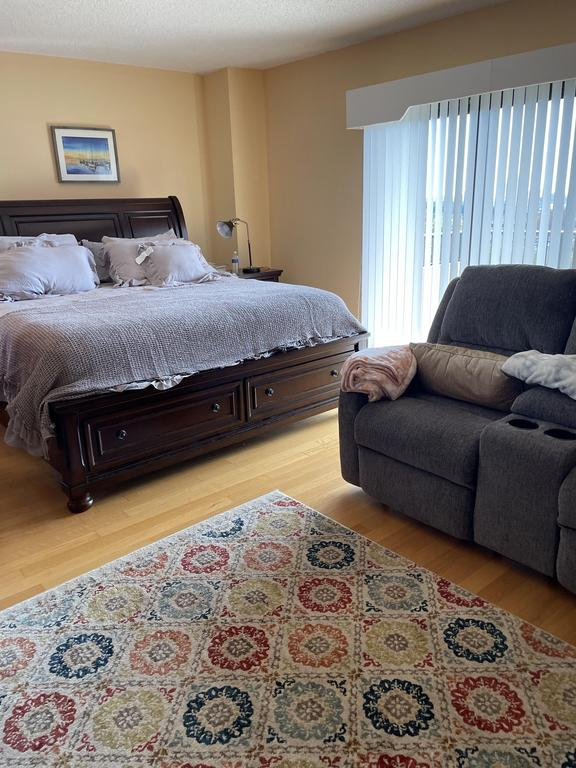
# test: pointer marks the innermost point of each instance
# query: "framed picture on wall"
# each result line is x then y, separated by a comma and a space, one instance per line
85, 154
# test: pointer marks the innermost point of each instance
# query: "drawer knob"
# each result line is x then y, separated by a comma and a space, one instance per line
268, 391
215, 407
121, 434
334, 372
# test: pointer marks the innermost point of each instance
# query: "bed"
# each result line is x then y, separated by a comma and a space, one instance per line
100, 439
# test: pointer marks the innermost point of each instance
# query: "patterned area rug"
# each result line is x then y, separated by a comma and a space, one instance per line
271, 637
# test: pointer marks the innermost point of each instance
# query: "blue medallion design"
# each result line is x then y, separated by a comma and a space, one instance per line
309, 711
227, 529
475, 640
488, 758
388, 702
331, 555
218, 715
570, 760
81, 655
395, 592
184, 600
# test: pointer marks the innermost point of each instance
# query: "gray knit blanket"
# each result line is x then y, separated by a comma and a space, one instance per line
61, 348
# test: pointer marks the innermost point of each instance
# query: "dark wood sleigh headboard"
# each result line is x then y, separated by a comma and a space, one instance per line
92, 219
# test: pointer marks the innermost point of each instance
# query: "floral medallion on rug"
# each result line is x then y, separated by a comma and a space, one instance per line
272, 637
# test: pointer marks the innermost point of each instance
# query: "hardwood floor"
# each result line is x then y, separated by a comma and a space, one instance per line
42, 544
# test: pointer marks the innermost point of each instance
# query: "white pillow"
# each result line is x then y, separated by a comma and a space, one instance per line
174, 264
98, 250
33, 271
125, 258
170, 235
17, 241
120, 255
58, 239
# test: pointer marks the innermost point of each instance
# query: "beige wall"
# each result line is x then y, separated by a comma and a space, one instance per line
237, 161
219, 161
270, 147
200, 138
316, 164
156, 115
250, 160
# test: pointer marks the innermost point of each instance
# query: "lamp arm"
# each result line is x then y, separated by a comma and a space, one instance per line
247, 236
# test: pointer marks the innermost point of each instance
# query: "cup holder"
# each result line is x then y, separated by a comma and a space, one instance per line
560, 434
528, 425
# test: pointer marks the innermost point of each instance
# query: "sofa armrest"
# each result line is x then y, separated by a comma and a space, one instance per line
546, 405
567, 501
566, 562
523, 466
348, 408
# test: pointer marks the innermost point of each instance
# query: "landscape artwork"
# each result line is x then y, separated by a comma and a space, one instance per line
84, 154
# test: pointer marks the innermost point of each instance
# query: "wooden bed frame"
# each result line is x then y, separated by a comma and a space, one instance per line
101, 440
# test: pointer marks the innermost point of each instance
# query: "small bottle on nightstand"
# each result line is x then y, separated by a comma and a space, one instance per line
235, 263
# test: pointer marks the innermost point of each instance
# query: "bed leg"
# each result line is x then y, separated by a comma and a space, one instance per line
79, 500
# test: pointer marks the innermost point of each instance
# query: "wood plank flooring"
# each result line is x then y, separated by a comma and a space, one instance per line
42, 544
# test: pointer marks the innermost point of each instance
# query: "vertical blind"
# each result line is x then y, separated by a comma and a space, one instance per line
489, 179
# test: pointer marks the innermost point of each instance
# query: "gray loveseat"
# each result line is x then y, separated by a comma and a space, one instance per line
504, 480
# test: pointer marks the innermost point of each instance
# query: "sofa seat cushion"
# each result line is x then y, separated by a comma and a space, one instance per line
460, 405
434, 434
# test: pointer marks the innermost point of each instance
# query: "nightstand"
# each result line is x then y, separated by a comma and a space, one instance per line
267, 273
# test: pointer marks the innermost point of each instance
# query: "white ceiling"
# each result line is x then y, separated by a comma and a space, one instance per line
204, 35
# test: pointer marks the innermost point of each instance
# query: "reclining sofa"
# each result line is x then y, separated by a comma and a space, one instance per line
506, 480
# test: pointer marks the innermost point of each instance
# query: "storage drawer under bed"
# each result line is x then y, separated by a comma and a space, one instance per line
295, 387
125, 435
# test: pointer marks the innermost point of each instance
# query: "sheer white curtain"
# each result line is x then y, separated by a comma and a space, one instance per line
489, 179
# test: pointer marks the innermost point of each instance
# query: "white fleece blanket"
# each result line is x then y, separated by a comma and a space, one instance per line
552, 371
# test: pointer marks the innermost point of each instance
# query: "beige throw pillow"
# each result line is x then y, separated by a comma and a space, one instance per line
466, 374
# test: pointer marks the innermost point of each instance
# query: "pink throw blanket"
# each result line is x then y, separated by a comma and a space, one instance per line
379, 372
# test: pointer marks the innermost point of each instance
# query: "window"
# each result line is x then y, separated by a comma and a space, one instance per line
488, 179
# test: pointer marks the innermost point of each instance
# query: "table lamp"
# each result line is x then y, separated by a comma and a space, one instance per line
226, 228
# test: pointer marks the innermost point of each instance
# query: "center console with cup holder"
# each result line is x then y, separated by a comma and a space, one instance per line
523, 464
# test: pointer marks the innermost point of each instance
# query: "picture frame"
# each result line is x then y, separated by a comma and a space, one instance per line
85, 154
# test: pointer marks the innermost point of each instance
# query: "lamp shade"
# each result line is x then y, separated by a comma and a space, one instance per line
225, 228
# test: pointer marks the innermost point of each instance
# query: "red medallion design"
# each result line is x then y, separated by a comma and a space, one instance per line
160, 652
546, 644
325, 595
40, 722
287, 503
15, 654
456, 596
205, 558
268, 556
317, 645
399, 761
488, 704
236, 648
146, 566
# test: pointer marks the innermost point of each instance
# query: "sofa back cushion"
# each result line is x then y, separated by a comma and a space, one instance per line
510, 308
